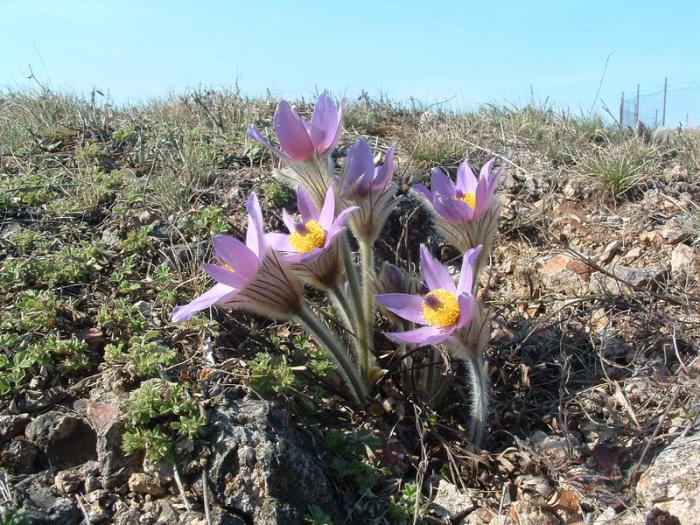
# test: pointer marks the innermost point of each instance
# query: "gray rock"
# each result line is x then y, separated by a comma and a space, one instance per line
22, 456
66, 440
141, 483
671, 483
111, 237
43, 506
262, 467
683, 259
449, 501
646, 278
13, 425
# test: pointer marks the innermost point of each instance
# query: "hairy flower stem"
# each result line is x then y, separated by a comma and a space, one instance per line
367, 260
359, 317
331, 343
344, 309
480, 397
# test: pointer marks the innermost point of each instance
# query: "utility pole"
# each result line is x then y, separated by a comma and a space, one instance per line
636, 108
622, 111
663, 112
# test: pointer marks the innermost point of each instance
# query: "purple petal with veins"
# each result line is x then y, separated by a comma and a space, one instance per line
441, 183
219, 293
325, 217
255, 238
466, 180
406, 306
307, 208
425, 335
292, 133
466, 275
234, 253
435, 274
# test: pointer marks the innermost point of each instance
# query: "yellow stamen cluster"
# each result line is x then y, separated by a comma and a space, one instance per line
469, 198
313, 236
440, 308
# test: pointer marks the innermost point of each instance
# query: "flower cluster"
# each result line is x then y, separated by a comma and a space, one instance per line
264, 274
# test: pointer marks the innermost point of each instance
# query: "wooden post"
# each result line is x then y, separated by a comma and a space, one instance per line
636, 108
663, 112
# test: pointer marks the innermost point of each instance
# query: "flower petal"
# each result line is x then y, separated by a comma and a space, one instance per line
234, 253
325, 218
255, 237
278, 241
324, 123
466, 275
307, 208
422, 190
425, 335
406, 306
227, 277
441, 183
452, 210
288, 221
359, 162
467, 305
466, 180
434, 273
254, 134
219, 293
384, 172
292, 133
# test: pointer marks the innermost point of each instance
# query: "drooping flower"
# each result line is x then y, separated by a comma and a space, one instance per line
368, 186
443, 311
305, 146
311, 244
249, 276
467, 199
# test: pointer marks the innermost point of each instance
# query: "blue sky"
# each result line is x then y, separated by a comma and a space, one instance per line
469, 52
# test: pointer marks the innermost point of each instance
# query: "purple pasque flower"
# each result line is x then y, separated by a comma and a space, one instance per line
443, 310
301, 141
368, 186
317, 230
249, 276
467, 199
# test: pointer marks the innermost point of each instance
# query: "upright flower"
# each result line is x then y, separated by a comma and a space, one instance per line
470, 198
311, 244
368, 186
443, 311
466, 212
248, 276
306, 146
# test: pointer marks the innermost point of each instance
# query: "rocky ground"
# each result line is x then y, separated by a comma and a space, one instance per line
111, 414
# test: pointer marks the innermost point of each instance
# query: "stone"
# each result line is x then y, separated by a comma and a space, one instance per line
449, 502
21, 456
43, 505
676, 230
262, 467
142, 483
610, 517
644, 278
66, 440
13, 425
683, 260
527, 513
610, 251
565, 274
218, 517
68, 481
556, 447
111, 237
671, 482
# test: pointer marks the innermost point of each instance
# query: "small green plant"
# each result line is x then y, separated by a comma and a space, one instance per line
620, 168
158, 415
275, 193
36, 311
351, 457
137, 240
124, 134
143, 353
121, 319
270, 374
29, 241
13, 517
316, 516
403, 508
208, 221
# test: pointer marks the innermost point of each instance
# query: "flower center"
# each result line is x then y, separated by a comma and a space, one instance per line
306, 237
468, 197
440, 308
